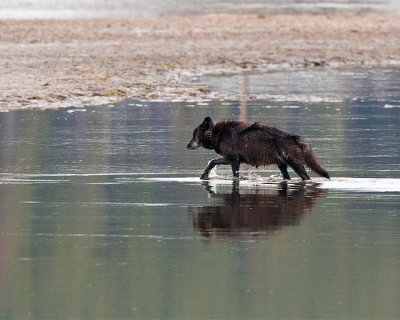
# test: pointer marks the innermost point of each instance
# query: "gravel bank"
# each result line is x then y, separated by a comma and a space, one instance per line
59, 63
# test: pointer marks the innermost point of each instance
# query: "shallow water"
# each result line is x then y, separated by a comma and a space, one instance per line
122, 8
103, 214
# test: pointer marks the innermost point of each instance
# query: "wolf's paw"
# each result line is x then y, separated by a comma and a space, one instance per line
204, 176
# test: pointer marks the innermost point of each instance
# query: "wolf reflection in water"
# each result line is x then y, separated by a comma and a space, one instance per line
253, 211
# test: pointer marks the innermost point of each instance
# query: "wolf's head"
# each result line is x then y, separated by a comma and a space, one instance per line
201, 135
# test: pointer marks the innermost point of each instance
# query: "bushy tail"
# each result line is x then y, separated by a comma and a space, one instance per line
312, 161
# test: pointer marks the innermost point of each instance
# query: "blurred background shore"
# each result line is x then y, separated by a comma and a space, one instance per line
82, 53
59, 9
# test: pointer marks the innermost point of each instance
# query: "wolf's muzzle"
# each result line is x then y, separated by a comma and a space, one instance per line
193, 145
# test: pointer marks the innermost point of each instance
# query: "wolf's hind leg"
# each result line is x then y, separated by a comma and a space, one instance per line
283, 168
299, 169
210, 166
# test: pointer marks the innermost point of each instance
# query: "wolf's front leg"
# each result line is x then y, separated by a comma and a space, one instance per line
210, 166
235, 169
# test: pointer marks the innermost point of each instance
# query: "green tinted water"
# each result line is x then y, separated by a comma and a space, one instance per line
102, 215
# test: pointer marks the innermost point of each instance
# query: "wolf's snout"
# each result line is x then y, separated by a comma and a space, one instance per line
192, 145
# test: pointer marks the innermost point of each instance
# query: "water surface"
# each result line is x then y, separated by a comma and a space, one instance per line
103, 214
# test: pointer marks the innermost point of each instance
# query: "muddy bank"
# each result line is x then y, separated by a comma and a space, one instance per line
58, 63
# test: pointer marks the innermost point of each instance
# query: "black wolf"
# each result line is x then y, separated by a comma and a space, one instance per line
256, 144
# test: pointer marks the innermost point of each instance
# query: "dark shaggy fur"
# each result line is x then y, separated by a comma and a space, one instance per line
256, 144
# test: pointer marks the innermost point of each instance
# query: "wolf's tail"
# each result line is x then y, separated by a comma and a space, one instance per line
311, 159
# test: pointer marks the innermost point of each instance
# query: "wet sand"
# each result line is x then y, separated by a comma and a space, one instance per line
60, 63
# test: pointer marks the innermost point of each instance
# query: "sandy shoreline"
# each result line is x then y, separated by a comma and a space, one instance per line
59, 63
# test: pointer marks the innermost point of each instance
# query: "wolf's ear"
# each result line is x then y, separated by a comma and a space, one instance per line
207, 124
